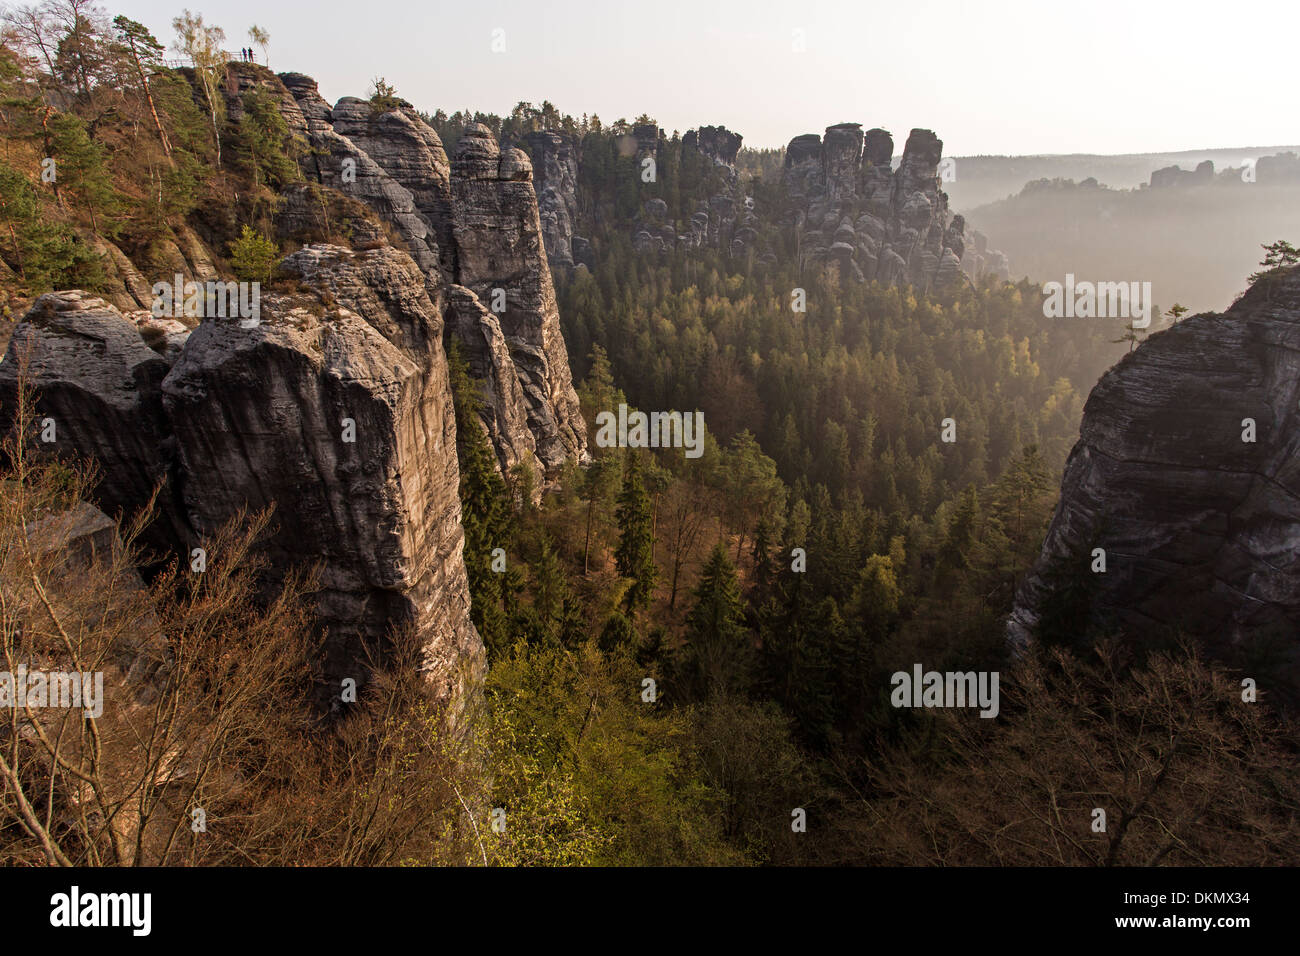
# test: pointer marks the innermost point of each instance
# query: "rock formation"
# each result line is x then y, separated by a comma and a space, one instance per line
724, 216
978, 260
860, 219
408, 150
502, 260
335, 408
841, 160
1173, 176
335, 161
716, 142
646, 137
504, 412
555, 180
472, 222
1278, 168
352, 437
851, 213
99, 396
1187, 475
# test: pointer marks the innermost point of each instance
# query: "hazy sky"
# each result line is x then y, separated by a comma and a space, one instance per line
1000, 76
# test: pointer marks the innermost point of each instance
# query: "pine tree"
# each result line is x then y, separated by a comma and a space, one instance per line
598, 484
1278, 256
635, 557
82, 172
142, 47
485, 513
46, 253
618, 634
253, 256
263, 137
959, 546
717, 657
552, 601
764, 567
817, 646
1018, 507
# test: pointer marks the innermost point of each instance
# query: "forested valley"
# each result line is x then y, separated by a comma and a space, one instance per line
689, 660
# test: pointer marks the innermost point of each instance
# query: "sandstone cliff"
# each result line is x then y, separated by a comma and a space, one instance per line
500, 256
333, 160
861, 219
724, 216
473, 222
1199, 524
845, 208
555, 180
335, 408
716, 142
100, 387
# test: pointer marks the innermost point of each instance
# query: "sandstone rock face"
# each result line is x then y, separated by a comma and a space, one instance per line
336, 161
310, 214
804, 174
499, 246
853, 216
476, 223
716, 142
1175, 176
98, 391
841, 160
647, 141
196, 254
978, 260
239, 78
1278, 168
555, 180
336, 409
504, 413
130, 290
1199, 526
167, 337
352, 438
726, 220
82, 534
863, 221
409, 151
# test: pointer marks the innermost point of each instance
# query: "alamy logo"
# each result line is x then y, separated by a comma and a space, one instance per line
656, 430
951, 689
220, 300
1101, 300
75, 908
24, 688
